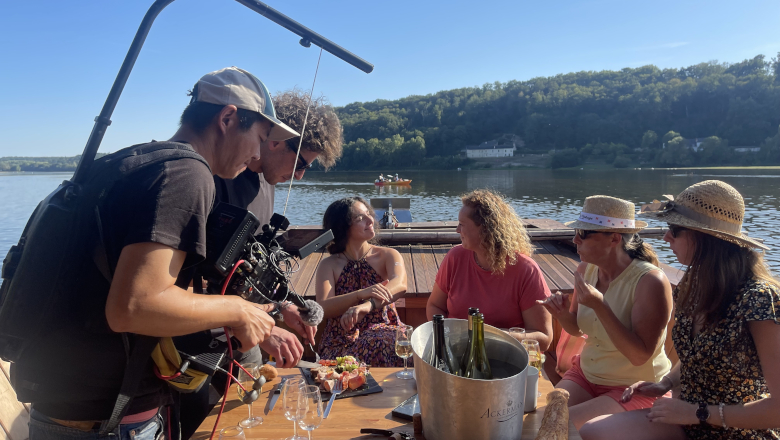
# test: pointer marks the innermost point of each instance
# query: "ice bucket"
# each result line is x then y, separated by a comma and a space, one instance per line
454, 407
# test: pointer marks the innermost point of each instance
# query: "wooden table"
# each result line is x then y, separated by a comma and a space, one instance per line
349, 415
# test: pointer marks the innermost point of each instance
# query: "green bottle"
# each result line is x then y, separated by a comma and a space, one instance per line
441, 355
465, 357
477, 366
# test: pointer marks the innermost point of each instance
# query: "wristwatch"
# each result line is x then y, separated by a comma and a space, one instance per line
703, 414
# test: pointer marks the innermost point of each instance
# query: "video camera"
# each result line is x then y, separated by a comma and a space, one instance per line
258, 267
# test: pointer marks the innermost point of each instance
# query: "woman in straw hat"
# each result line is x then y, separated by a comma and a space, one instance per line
623, 302
492, 270
726, 330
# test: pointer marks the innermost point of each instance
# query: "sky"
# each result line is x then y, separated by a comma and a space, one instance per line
58, 59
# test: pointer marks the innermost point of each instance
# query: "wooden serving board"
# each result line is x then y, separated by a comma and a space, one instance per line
370, 387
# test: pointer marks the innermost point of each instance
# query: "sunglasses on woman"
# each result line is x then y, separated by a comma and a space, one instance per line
584, 233
675, 230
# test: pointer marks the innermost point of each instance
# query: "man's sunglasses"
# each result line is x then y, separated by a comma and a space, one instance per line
584, 233
301, 165
675, 230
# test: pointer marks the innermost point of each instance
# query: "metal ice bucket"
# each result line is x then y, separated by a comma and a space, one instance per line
454, 407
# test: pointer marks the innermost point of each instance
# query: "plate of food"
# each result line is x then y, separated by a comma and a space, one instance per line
353, 374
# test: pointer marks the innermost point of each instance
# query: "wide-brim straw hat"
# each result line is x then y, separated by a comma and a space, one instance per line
609, 214
712, 207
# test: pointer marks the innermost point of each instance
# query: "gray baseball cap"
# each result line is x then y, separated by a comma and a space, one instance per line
234, 86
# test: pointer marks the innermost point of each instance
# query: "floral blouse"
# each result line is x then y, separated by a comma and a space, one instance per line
721, 365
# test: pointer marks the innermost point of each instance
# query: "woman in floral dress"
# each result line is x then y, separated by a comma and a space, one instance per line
357, 285
727, 330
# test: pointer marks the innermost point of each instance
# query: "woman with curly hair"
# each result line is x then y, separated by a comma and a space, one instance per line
726, 330
356, 287
492, 270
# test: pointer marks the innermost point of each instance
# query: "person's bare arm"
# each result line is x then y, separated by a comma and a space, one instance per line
538, 326
649, 318
396, 274
564, 306
144, 300
437, 303
335, 306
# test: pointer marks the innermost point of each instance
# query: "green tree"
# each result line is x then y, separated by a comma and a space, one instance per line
649, 140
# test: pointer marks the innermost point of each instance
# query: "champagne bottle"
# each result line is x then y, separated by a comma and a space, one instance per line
465, 357
441, 355
477, 366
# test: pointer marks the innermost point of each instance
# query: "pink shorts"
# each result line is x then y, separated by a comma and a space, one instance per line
576, 375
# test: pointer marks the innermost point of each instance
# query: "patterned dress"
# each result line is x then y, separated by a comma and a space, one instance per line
372, 340
721, 364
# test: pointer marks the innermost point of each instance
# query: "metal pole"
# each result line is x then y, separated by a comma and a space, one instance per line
103, 120
307, 35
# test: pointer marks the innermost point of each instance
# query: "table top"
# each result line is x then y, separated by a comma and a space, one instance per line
349, 415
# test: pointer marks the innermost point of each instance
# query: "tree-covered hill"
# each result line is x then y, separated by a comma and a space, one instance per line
40, 163
738, 103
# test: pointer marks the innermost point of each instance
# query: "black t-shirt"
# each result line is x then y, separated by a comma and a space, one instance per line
249, 191
166, 203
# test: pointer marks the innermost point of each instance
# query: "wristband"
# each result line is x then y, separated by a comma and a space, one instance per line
373, 304
671, 383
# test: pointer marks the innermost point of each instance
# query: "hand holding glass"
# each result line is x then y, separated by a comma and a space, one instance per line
403, 348
310, 408
247, 380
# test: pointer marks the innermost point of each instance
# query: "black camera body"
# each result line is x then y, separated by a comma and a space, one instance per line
256, 267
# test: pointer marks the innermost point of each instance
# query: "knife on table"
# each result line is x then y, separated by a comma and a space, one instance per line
274, 396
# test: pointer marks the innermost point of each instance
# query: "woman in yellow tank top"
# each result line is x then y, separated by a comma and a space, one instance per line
622, 301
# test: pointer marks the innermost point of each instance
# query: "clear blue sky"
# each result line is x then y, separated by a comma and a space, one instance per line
59, 58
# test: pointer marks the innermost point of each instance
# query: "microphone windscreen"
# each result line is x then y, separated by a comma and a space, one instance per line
314, 314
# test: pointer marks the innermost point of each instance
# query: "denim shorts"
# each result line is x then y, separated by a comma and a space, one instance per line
43, 428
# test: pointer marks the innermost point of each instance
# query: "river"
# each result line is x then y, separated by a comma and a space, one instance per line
543, 193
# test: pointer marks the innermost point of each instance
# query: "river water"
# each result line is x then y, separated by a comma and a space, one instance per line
544, 193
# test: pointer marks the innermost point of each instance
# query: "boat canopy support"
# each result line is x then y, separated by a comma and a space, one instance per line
103, 120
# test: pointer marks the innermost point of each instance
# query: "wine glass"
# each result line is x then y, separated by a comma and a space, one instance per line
310, 409
517, 332
403, 348
232, 433
535, 355
291, 394
246, 377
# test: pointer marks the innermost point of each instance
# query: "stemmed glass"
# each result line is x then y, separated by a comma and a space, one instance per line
310, 409
535, 355
248, 380
517, 332
292, 392
232, 433
403, 348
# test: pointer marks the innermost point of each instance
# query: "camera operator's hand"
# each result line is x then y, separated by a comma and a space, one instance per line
377, 291
355, 314
254, 326
284, 347
292, 317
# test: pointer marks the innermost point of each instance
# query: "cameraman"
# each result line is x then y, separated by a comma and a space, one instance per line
154, 224
253, 189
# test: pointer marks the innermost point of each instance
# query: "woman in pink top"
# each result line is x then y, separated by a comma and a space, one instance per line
492, 270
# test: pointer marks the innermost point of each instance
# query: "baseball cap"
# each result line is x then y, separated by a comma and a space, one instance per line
234, 86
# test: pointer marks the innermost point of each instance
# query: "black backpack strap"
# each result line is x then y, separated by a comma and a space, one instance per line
139, 358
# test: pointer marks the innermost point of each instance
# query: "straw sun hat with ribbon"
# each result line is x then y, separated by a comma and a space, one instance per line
712, 207
608, 214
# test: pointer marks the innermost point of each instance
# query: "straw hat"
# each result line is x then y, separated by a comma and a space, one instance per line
712, 207
605, 213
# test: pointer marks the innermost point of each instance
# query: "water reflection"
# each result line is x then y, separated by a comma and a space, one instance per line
435, 195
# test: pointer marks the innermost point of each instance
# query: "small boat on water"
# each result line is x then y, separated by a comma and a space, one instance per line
389, 182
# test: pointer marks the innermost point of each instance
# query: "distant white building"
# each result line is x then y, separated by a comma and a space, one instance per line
747, 149
491, 149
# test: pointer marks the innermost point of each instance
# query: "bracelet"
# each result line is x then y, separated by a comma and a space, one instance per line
671, 383
722, 417
373, 304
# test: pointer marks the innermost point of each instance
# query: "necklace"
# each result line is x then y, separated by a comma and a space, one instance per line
361, 258
476, 260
